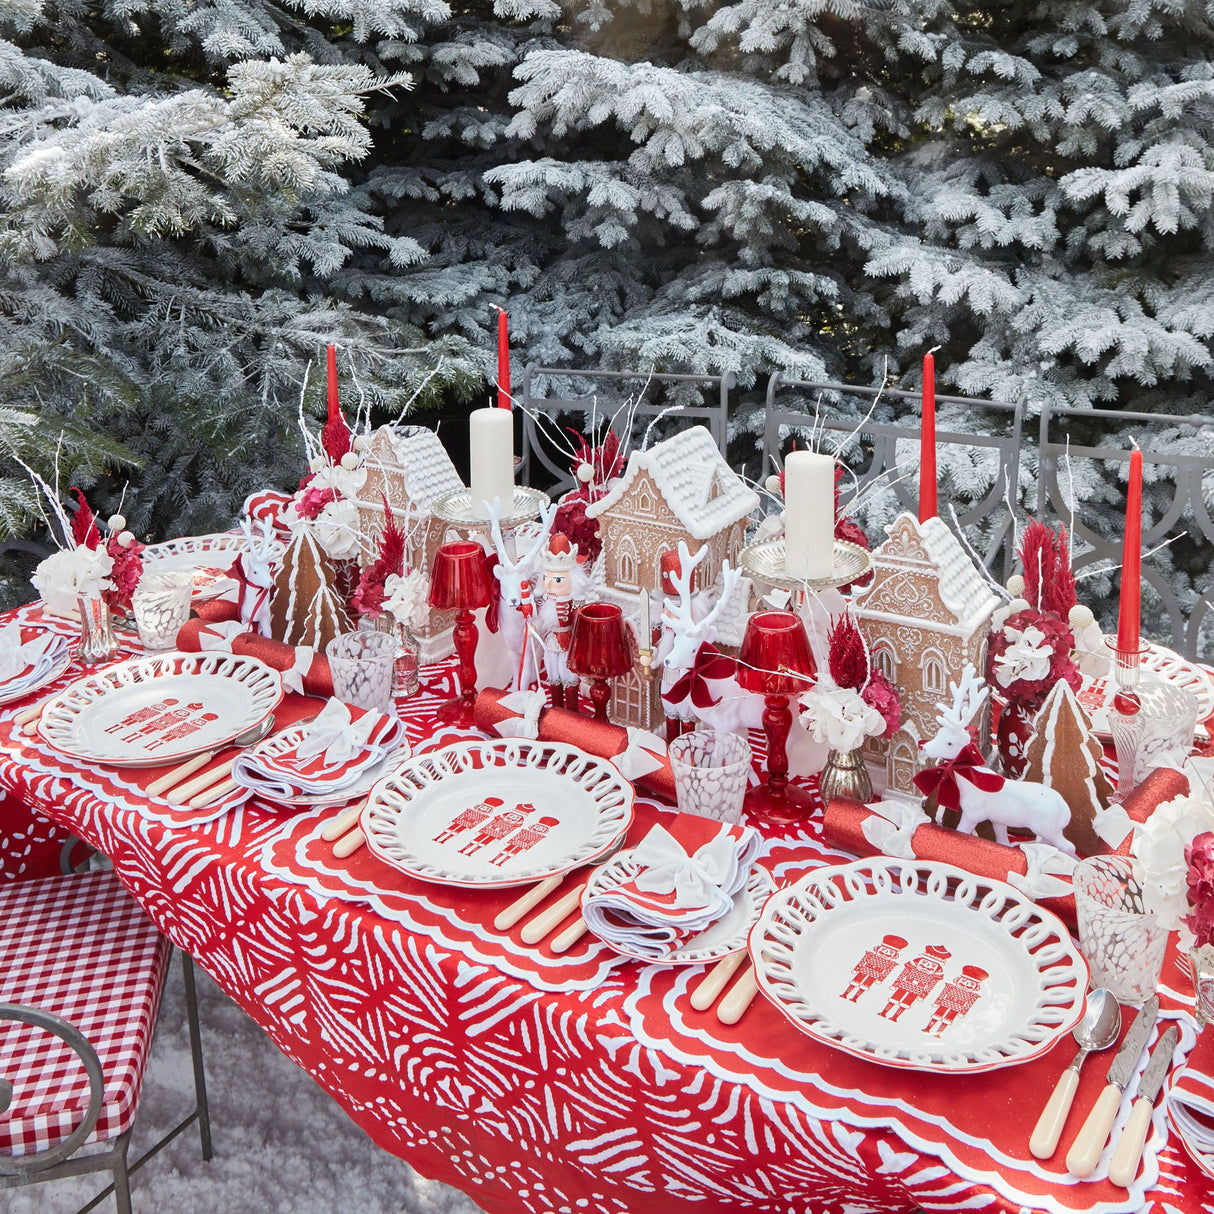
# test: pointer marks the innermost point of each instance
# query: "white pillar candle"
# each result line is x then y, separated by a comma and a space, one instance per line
491, 459
809, 515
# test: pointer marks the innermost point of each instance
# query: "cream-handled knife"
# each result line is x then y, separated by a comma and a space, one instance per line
1082, 1158
1124, 1165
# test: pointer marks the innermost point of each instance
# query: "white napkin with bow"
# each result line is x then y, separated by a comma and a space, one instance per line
677, 887
17, 657
323, 757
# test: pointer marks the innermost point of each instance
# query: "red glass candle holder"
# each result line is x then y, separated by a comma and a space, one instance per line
598, 650
459, 582
777, 664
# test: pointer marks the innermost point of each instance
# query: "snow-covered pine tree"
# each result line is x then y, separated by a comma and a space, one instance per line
817, 186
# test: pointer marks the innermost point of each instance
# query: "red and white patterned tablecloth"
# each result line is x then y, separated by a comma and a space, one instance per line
543, 1082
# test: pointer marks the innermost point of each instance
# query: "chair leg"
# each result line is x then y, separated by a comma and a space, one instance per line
200, 1079
122, 1185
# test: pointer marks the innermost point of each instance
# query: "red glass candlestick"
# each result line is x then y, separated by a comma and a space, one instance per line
598, 650
459, 582
776, 663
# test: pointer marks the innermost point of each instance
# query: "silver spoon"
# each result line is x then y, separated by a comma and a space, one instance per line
182, 792
1096, 1031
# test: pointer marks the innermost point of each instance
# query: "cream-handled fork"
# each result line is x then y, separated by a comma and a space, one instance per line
735, 1004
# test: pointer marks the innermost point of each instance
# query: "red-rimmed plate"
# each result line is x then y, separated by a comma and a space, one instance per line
155, 710
919, 965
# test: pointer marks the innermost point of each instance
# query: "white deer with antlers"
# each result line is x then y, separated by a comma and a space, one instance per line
963, 782
682, 637
518, 590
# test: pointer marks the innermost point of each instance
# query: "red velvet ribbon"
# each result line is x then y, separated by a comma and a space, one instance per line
945, 780
710, 664
599, 738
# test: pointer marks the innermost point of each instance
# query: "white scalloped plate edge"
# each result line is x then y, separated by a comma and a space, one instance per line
1073, 977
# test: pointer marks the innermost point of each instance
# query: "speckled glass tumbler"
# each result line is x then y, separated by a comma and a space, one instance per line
710, 774
1123, 943
362, 665
161, 605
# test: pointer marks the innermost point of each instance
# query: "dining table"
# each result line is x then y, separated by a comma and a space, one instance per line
537, 1080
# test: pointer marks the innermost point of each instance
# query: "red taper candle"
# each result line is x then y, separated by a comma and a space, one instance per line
1131, 562
927, 442
503, 361
334, 407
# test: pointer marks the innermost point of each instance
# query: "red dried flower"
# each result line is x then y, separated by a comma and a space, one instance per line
1049, 583
84, 524
368, 599
848, 659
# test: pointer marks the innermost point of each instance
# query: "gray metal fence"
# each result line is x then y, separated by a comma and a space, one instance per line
1018, 479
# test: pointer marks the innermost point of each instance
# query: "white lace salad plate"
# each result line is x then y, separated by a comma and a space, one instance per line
156, 710
1096, 695
725, 937
919, 965
497, 813
207, 557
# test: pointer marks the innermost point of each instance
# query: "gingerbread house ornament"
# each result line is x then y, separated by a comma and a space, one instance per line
925, 614
679, 489
410, 468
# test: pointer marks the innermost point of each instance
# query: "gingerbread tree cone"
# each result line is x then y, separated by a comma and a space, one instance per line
1063, 753
306, 608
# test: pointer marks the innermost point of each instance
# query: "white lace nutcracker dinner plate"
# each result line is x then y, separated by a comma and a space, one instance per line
207, 557
919, 965
496, 813
156, 710
726, 936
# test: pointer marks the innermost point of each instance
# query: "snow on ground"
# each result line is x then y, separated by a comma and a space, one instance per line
282, 1145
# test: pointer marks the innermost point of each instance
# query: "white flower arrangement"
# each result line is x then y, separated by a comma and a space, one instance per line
1029, 657
407, 598
1158, 851
840, 717
336, 529
65, 575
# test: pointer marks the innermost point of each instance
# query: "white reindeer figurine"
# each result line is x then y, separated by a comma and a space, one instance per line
963, 782
514, 602
682, 637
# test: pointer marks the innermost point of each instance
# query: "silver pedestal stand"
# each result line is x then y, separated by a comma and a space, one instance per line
457, 509
765, 563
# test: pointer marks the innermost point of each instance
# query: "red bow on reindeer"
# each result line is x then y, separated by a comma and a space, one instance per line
710, 665
943, 780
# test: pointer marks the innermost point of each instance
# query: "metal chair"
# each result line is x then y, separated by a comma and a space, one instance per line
82, 969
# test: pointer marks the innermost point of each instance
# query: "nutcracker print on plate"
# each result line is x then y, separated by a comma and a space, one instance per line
157, 710
497, 813
972, 977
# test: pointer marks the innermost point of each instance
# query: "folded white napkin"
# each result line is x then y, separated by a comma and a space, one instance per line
678, 887
17, 656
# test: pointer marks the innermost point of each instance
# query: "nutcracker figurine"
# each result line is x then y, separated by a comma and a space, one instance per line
564, 591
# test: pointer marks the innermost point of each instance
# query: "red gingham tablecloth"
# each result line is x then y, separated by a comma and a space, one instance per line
583, 1081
